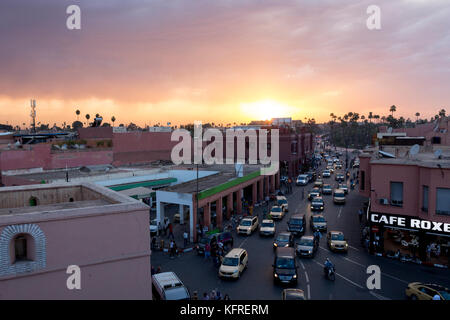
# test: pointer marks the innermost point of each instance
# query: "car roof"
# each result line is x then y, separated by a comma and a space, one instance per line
284, 233
317, 216
336, 232
307, 237
285, 252
267, 221
318, 198
298, 216
167, 279
235, 252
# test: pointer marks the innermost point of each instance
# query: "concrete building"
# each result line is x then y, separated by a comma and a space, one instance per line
44, 229
409, 202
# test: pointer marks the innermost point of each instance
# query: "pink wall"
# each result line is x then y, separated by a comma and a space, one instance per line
413, 178
61, 159
112, 250
96, 133
36, 156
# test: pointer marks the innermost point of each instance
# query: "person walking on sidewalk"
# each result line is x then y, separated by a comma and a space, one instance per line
360, 214
186, 238
171, 231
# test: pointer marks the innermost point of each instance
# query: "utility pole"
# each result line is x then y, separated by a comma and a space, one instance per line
33, 115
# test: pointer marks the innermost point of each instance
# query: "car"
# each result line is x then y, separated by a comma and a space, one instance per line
247, 225
326, 174
226, 238
276, 213
297, 224
267, 228
306, 247
338, 166
167, 286
312, 176
154, 229
339, 196
330, 168
318, 183
302, 180
318, 222
340, 177
343, 186
293, 294
317, 204
421, 291
233, 264
315, 192
327, 189
356, 164
336, 160
283, 203
336, 241
285, 266
283, 239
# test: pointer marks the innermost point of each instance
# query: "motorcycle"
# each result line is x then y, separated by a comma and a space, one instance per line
329, 273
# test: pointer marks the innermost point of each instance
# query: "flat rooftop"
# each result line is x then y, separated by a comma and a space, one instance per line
423, 159
224, 174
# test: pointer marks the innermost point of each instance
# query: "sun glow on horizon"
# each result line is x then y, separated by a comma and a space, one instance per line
265, 110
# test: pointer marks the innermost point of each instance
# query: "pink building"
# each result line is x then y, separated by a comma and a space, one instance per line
45, 229
409, 203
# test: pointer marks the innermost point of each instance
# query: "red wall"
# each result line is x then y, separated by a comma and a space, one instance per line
96, 133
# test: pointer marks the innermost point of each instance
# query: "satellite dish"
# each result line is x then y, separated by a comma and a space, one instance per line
438, 154
414, 150
389, 130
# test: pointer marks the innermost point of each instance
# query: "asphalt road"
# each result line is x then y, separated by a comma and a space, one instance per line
351, 268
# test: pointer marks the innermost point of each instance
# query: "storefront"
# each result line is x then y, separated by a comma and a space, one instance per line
409, 238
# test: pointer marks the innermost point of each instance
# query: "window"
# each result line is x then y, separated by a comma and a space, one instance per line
20, 248
363, 180
443, 201
397, 194
436, 140
425, 199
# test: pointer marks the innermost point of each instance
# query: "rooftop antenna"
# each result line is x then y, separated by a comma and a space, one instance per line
33, 115
414, 150
438, 154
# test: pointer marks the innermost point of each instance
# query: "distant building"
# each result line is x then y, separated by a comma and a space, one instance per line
160, 129
45, 229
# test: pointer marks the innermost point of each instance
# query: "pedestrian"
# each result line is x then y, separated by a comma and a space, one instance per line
195, 295
205, 296
226, 297
153, 271
212, 295
207, 251
218, 295
185, 237
158, 270
171, 231
360, 214
171, 248
429, 252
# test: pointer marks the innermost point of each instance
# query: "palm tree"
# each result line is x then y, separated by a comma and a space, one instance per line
417, 116
113, 119
78, 114
392, 109
87, 118
442, 113
370, 117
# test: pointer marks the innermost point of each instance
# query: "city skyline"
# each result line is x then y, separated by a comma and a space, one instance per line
151, 61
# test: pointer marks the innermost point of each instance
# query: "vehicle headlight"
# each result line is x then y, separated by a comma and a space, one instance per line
346, 245
321, 207
294, 276
275, 245
236, 271
275, 275
286, 245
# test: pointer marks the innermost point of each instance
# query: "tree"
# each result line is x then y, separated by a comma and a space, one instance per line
417, 116
442, 113
113, 119
78, 114
88, 117
77, 124
393, 109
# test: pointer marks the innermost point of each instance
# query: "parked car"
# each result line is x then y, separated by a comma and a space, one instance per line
283, 203
339, 196
336, 241
306, 247
283, 239
297, 224
421, 291
285, 266
315, 192
276, 213
302, 180
293, 294
318, 222
234, 263
167, 286
248, 225
154, 225
327, 189
317, 204
267, 228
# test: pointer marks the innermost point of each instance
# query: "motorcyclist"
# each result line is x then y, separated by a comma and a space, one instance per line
328, 265
317, 236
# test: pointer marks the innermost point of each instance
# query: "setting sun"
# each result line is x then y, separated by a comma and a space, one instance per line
265, 110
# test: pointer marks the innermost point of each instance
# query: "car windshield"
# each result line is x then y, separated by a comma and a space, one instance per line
276, 209
231, 262
285, 263
267, 224
337, 236
282, 201
317, 201
339, 194
306, 242
283, 237
319, 219
153, 223
296, 221
246, 223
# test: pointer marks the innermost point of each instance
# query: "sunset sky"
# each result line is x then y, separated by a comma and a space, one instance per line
222, 61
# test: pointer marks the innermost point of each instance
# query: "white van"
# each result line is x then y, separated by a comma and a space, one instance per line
167, 286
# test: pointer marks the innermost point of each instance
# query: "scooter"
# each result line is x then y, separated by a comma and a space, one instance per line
329, 273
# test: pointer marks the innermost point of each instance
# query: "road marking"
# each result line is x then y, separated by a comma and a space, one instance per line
306, 276
346, 279
339, 214
242, 243
303, 266
353, 248
379, 296
309, 291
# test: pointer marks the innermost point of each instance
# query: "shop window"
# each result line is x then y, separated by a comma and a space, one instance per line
397, 194
443, 201
425, 199
436, 140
